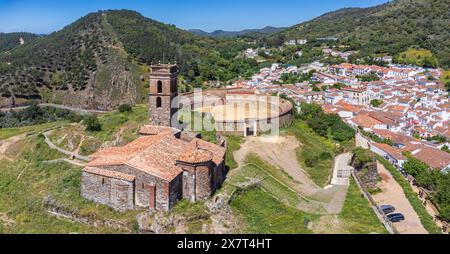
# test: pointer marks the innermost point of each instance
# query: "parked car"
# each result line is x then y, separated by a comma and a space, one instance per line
387, 209
396, 217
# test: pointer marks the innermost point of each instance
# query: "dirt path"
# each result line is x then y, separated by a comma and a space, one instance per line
73, 162
59, 149
392, 194
5, 144
281, 152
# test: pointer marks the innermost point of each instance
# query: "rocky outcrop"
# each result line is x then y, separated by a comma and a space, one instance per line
56, 209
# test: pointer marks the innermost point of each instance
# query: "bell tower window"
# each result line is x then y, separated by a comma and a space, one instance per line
158, 102
163, 90
160, 86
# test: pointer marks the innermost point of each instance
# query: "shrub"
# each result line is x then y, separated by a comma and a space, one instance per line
92, 123
311, 159
325, 156
125, 108
376, 103
361, 158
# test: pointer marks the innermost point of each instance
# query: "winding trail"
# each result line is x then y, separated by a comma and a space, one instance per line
59, 149
281, 153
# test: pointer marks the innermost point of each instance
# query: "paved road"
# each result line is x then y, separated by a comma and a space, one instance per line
392, 194
342, 170
75, 109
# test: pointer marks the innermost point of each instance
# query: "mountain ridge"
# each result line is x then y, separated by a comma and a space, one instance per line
268, 30
9, 41
389, 28
99, 61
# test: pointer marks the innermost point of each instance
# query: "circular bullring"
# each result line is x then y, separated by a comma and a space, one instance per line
241, 112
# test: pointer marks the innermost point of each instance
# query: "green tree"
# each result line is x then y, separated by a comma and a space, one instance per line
342, 132
92, 123
310, 110
442, 196
376, 103
361, 158
415, 167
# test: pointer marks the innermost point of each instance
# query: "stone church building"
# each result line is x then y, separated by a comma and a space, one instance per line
159, 168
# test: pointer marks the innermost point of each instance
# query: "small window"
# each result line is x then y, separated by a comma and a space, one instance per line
158, 102
160, 86
103, 181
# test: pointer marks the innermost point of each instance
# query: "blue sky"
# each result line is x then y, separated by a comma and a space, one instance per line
45, 16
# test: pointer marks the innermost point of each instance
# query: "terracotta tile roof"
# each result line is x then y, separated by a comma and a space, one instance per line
434, 158
349, 107
108, 161
109, 173
365, 121
217, 151
128, 150
391, 151
196, 156
385, 117
396, 108
158, 154
159, 159
395, 137
155, 130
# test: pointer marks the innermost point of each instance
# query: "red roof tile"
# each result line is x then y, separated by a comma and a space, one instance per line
109, 173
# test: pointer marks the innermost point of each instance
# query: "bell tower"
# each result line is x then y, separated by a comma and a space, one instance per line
163, 89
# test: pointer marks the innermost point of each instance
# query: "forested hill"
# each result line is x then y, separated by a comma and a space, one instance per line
9, 41
388, 28
268, 30
99, 61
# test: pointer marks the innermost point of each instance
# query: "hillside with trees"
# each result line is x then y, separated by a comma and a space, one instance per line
10, 41
100, 61
390, 28
255, 33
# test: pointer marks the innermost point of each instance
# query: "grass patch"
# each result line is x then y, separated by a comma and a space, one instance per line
68, 138
357, 213
185, 207
6, 133
112, 122
233, 144
273, 180
127, 123
25, 182
271, 205
425, 218
265, 215
316, 153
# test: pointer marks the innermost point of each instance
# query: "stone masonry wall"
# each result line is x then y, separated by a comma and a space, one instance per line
142, 183
204, 182
160, 116
108, 191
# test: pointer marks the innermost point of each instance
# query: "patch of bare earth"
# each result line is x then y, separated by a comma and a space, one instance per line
280, 151
5, 145
328, 224
6, 220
